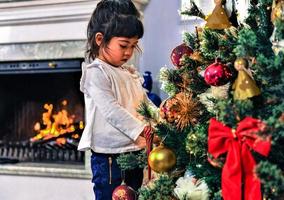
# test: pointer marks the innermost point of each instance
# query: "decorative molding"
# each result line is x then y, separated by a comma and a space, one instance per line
23, 3
48, 20
141, 4
51, 11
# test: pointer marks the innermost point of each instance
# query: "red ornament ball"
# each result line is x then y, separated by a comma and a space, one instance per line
178, 52
124, 192
217, 74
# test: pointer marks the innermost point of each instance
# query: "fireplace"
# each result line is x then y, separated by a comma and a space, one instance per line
41, 114
42, 111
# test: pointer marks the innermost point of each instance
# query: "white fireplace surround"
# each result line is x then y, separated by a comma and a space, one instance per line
47, 20
47, 29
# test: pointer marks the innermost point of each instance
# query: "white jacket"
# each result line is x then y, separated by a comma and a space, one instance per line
112, 95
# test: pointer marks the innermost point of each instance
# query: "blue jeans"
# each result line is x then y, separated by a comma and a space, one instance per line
104, 185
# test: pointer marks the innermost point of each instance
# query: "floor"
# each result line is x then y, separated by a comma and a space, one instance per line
44, 188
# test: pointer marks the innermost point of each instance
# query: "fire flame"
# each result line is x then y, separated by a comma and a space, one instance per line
56, 125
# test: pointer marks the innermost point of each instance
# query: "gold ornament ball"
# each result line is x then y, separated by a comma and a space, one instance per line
278, 12
162, 159
240, 63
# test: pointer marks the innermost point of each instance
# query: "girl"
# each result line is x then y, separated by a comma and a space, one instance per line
112, 94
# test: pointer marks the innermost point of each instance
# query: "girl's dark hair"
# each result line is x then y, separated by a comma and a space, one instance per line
112, 18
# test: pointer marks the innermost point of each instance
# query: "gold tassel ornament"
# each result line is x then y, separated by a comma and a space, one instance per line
244, 86
277, 11
218, 19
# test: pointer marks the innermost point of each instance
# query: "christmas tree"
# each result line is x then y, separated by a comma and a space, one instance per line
222, 126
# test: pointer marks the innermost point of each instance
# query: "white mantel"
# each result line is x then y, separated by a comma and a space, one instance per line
47, 20
47, 29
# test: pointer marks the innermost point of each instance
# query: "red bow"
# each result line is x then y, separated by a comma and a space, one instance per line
239, 165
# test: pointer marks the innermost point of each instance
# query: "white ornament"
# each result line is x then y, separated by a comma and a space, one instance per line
242, 8
188, 188
277, 46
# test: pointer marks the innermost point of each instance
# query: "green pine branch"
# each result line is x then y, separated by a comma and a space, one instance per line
272, 179
160, 189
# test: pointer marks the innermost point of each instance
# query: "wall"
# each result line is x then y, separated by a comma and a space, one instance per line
163, 32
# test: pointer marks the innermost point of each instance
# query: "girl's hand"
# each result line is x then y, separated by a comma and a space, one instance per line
148, 132
156, 139
141, 142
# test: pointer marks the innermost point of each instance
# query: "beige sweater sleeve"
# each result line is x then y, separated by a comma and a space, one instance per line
98, 87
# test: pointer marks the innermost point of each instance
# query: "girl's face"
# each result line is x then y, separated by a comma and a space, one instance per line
118, 51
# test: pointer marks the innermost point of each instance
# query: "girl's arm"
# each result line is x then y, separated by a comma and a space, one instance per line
98, 87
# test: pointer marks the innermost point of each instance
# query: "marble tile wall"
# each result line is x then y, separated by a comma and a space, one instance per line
43, 50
